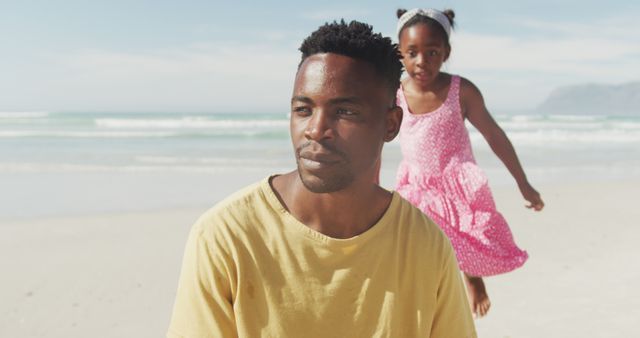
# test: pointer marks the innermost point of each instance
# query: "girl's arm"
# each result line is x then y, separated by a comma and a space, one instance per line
473, 108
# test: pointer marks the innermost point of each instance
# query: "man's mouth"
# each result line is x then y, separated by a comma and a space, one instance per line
312, 165
317, 160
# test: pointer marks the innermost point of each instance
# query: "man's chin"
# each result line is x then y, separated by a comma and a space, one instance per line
323, 185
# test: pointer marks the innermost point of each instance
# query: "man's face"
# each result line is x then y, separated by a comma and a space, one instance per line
339, 121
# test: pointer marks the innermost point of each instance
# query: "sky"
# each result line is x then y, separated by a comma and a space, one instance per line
227, 57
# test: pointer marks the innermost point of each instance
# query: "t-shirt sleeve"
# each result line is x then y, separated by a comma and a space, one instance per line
453, 315
203, 305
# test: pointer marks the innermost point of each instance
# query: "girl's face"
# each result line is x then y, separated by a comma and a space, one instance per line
423, 52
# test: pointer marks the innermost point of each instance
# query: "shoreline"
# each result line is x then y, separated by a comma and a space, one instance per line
37, 195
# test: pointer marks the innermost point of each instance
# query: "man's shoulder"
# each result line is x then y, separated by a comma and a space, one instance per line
233, 210
406, 212
418, 226
243, 197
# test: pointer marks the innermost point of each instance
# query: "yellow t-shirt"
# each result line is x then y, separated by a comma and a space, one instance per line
251, 269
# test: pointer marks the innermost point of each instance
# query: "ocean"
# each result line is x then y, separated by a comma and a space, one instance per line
59, 164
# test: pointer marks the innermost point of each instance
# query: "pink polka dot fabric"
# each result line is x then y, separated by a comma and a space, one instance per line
438, 174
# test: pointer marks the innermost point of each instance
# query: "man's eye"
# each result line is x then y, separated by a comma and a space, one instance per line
301, 110
433, 53
346, 112
412, 53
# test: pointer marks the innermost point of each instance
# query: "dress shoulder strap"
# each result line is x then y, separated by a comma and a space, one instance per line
454, 88
453, 97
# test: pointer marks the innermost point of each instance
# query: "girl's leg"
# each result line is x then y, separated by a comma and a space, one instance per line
478, 298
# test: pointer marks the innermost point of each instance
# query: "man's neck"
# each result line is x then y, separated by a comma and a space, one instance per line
343, 214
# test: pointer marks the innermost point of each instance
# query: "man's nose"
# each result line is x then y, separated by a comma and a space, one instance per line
319, 126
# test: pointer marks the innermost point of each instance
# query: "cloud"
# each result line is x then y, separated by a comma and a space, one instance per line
522, 71
575, 56
621, 27
200, 77
512, 70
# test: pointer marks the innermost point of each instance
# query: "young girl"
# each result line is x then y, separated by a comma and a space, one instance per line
438, 172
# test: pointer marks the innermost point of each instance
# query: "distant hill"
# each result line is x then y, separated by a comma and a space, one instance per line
594, 99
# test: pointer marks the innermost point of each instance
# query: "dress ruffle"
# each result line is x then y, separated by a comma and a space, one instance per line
460, 202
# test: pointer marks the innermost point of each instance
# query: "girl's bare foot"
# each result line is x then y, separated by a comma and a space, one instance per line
478, 298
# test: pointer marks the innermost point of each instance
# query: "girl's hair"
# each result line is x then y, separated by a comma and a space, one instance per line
431, 23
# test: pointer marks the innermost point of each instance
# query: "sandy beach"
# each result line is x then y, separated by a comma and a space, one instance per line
121, 123
115, 275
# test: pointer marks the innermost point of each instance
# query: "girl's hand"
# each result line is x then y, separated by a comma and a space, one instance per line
531, 195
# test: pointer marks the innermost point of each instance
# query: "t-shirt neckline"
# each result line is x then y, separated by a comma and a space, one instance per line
293, 223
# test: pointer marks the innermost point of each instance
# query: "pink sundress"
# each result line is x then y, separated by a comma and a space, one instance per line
439, 175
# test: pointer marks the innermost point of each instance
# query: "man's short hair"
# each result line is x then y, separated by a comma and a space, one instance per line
358, 41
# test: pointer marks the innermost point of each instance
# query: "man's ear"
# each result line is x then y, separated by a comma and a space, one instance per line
393, 122
447, 53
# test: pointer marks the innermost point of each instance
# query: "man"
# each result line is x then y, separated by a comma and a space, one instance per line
322, 251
